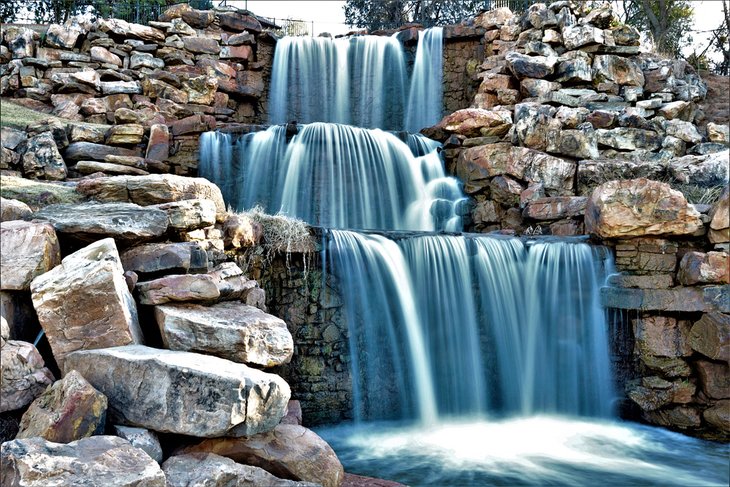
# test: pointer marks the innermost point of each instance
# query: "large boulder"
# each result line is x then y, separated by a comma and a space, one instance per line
710, 336
214, 470
229, 330
122, 28
67, 411
707, 171
704, 268
78, 151
189, 214
594, 172
37, 194
27, 250
617, 69
289, 451
11, 209
473, 122
661, 336
638, 207
171, 257
182, 392
152, 189
523, 66
125, 222
99, 460
64, 36
20, 40
42, 159
23, 375
84, 303
183, 287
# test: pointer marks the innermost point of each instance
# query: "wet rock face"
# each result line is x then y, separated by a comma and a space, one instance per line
182, 392
99, 460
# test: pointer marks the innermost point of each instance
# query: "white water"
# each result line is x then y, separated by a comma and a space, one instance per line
425, 94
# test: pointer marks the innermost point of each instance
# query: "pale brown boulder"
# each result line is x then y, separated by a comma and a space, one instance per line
720, 219
231, 330
27, 250
102, 55
704, 268
473, 122
638, 207
91, 167
23, 375
176, 288
125, 29
182, 392
186, 215
662, 336
67, 411
289, 451
127, 134
84, 303
710, 336
64, 36
99, 460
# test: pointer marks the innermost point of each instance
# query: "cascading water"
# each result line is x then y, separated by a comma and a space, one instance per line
425, 94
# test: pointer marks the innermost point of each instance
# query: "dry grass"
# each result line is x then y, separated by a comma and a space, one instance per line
18, 116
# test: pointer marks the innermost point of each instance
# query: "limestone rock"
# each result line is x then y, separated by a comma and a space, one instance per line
127, 134
682, 417
20, 40
675, 109
42, 159
238, 21
683, 130
182, 392
720, 219
67, 411
200, 89
171, 257
704, 268
289, 451
714, 378
91, 167
125, 222
710, 336
505, 190
555, 208
534, 123
64, 36
23, 373
637, 207
523, 66
661, 336
120, 87
189, 214
689, 299
78, 151
145, 60
102, 55
201, 45
152, 189
628, 138
580, 35
141, 438
579, 144
125, 29
172, 288
618, 69
718, 133
84, 303
200, 19
234, 286
216, 471
472, 122
27, 250
493, 18
230, 330
99, 460
706, 171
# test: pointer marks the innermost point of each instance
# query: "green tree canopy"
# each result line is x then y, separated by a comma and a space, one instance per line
669, 22
388, 14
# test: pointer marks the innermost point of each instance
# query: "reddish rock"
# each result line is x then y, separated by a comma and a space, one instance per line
714, 378
682, 417
193, 124
293, 413
24, 375
158, 147
242, 53
241, 231
352, 480
199, 19
710, 336
172, 288
473, 122
662, 336
719, 416
704, 268
555, 208
201, 45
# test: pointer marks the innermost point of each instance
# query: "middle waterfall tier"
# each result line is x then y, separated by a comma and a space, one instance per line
336, 176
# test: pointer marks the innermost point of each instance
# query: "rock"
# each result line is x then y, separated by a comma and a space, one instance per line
720, 219
241, 231
581, 35
555, 208
637, 207
182, 392
289, 451
125, 222
152, 189
472, 122
523, 66
20, 40
124, 115
719, 416
618, 69
27, 250
158, 147
654, 281
170, 257
80, 151
675, 109
714, 378
70, 409
99, 460
242, 38
661, 336
145, 60
120, 87
200, 89
84, 303
193, 124
704, 268
537, 87
125, 29
718, 133
682, 417
579, 144
706, 171
234, 286
689, 299
35, 193
200, 19
683, 130
667, 366
189, 214
201, 45
237, 22
174, 12
64, 36
155, 88
141, 438
533, 123
230, 330
101, 55
91, 167
493, 18
214, 470
710, 336
128, 134
171, 288
626, 138
293, 413
24, 375
13, 210
505, 190
42, 159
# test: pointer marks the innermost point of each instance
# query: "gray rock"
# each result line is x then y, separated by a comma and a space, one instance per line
120, 87
99, 460
91, 167
576, 36
176, 288
689, 299
84, 303
230, 330
64, 36
574, 66
592, 173
27, 250
626, 138
24, 375
141, 438
523, 66
20, 40
189, 214
555, 208
683, 130
617, 69
706, 171
78, 151
145, 60
183, 392
125, 222
42, 159
171, 257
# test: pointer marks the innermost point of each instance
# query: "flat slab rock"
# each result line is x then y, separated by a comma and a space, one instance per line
182, 392
125, 222
230, 330
99, 460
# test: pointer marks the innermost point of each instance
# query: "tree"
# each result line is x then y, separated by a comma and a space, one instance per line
388, 14
58, 11
668, 22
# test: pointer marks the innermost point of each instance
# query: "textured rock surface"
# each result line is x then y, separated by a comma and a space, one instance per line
639, 207
27, 250
229, 330
710, 336
67, 411
141, 438
289, 451
183, 287
704, 268
189, 214
181, 392
720, 219
13, 210
177, 256
84, 303
125, 222
214, 470
42, 159
661, 336
99, 460
24, 375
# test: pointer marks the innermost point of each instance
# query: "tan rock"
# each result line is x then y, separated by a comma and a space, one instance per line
471, 121
200, 89
175, 288
289, 451
241, 231
189, 214
681, 417
67, 411
637, 207
718, 133
704, 268
720, 219
84, 303
91, 167
710, 336
27, 250
13, 210
128, 134
126, 29
102, 55
662, 336
23, 375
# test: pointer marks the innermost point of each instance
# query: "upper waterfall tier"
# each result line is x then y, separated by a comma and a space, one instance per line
336, 176
360, 81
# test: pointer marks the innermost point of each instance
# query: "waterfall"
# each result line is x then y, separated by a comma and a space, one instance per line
469, 326
335, 176
360, 80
